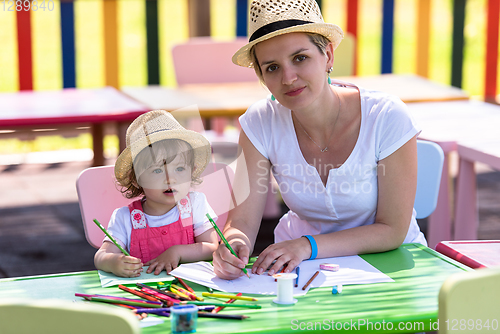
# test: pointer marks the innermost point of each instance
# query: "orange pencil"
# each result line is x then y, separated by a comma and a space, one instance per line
279, 271
310, 280
230, 301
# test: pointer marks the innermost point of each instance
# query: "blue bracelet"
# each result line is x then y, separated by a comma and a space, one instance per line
314, 247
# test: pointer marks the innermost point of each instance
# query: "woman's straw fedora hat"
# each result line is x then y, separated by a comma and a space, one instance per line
153, 127
270, 18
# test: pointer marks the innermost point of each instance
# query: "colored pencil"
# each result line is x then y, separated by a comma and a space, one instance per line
145, 302
137, 293
221, 316
230, 301
221, 295
184, 284
297, 271
191, 295
223, 304
111, 238
280, 271
225, 242
153, 291
119, 301
167, 309
310, 280
167, 299
180, 294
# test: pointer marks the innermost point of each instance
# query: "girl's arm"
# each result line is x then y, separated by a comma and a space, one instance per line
397, 184
250, 187
203, 248
109, 258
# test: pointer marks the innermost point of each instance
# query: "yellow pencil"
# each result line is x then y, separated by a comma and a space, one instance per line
192, 296
177, 292
221, 295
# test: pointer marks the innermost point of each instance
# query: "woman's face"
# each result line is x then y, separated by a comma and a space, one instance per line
294, 69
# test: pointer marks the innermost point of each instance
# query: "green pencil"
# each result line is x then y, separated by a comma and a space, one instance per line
225, 241
110, 237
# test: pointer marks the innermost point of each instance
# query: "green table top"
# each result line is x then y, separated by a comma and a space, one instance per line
410, 304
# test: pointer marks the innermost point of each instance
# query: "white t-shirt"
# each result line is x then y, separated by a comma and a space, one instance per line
350, 196
120, 226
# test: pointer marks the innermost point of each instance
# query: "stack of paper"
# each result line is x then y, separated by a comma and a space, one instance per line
353, 270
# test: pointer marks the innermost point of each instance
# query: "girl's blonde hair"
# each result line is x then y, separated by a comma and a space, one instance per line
164, 151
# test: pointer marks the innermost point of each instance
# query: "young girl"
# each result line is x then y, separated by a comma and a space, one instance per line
168, 225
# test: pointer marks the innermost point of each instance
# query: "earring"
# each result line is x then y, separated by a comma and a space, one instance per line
273, 98
329, 71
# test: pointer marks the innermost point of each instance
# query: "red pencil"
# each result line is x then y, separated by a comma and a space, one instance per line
220, 308
185, 285
137, 293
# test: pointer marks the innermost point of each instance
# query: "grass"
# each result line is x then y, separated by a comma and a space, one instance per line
173, 29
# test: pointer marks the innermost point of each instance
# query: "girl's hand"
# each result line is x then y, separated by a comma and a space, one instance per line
168, 260
127, 266
290, 252
110, 259
228, 266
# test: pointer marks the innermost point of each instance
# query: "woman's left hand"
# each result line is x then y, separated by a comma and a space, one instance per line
290, 252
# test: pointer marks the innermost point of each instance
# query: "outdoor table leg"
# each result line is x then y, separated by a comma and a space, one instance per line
97, 144
466, 214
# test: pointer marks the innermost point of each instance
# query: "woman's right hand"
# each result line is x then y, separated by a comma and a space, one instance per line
226, 265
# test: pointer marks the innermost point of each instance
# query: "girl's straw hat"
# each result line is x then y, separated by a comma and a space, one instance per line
268, 19
152, 127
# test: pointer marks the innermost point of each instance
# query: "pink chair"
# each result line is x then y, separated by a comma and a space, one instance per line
204, 60
99, 196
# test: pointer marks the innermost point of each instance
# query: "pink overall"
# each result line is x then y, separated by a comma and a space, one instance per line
147, 243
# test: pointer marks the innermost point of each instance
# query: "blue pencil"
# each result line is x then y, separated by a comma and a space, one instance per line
297, 271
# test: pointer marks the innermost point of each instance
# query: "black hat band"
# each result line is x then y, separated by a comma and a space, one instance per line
274, 26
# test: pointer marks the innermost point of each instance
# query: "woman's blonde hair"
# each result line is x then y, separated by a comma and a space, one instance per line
319, 40
164, 151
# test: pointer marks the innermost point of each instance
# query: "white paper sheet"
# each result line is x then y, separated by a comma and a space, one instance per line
203, 273
109, 279
353, 270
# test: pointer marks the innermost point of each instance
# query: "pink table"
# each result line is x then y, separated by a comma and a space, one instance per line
446, 123
466, 214
472, 253
32, 111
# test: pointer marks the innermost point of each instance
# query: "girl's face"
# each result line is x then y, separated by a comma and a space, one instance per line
294, 69
165, 184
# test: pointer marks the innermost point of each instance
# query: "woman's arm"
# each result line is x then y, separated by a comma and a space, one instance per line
397, 184
251, 184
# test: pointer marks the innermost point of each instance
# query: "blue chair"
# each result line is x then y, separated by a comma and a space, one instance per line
430, 167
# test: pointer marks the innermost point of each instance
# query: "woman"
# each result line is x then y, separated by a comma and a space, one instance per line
345, 158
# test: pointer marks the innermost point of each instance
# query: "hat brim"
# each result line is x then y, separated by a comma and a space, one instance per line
198, 142
330, 31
